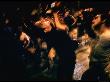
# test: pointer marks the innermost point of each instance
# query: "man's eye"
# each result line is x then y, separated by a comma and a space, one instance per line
95, 17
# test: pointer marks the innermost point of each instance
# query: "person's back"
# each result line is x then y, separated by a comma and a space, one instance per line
65, 48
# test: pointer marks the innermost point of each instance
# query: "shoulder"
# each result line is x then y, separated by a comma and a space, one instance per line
105, 44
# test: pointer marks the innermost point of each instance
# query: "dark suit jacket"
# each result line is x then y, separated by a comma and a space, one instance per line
101, 55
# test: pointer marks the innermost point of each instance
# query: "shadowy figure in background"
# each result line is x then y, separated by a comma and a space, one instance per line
11, 64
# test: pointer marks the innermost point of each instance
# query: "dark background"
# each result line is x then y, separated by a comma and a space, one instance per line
72, 4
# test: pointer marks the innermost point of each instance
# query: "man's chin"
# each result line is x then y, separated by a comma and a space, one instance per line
96, 27
46, 31
93, 26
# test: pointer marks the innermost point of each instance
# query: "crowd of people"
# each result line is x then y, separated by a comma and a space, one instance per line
55, 43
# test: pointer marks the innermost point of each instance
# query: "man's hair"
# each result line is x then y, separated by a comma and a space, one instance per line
106, 19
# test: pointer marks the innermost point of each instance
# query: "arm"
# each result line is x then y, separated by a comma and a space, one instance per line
25, 39
57, 22
52, 53
75, 20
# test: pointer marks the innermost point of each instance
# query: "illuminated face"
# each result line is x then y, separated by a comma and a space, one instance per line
73, 33
44, 23
91, 9
67, 13
96, 20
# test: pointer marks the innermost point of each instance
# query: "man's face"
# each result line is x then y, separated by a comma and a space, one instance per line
73, 33
96, 20
46, 25
97, 24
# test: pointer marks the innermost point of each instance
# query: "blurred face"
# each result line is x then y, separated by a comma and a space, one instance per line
44, 23
73, 33
80, 14
90, 9
96, 20
67, 13
85, 37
